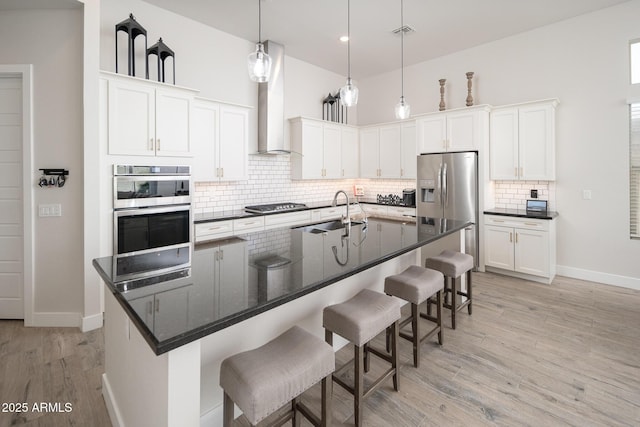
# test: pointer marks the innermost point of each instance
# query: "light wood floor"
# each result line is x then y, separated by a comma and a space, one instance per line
531, 354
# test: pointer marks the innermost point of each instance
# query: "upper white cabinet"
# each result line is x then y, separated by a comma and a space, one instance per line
220, 141
323, 150
388, 151
522, 141
148, 118
455, 130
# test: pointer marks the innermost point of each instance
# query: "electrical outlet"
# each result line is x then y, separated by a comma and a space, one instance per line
49, 210
534, 194
358, 190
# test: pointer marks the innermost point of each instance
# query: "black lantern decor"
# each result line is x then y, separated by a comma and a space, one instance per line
163, 52
133, 30
333, 110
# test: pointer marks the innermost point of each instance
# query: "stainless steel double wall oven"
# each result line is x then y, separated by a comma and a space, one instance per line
151, 219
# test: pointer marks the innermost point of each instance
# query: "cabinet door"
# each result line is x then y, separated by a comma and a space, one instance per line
204, 134
131, 119
462, 131
233, 143
173, 121
202, 309
537, 142
232, 276
312, 257
349, 147
143, 307
432, 134
532, 252
312, 150
331, 151
498, 247
408, 151
503, 148
390, 152
369, 152
171, 312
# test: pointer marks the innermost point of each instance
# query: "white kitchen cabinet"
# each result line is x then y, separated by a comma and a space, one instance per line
220, 134
399, 212
522, 247
522, 141
248, 225
322, 150
148, 118
287, 219
388, 151
455, 130
213, 230
225, 263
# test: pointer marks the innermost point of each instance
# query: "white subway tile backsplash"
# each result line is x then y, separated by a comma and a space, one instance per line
269, 182
514, 194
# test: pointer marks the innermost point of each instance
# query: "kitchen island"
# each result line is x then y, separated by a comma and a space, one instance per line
238, 294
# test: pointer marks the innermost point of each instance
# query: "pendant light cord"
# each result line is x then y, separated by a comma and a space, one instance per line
259, 21
402, 48
349, 38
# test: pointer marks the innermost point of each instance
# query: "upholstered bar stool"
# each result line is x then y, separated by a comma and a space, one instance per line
359, 320
263, 380
453, 265
417, 284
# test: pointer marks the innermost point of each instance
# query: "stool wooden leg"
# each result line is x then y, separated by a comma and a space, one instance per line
358, 388
394, 355
469, 291
454, 294
328, 337
367, 358
295, 420
439, 312
415, 328
327, 395
227, 411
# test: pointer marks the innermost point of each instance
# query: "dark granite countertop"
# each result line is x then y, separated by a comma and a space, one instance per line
235, 279
522, 213
240, 213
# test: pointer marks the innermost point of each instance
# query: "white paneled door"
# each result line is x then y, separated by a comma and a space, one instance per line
11, 215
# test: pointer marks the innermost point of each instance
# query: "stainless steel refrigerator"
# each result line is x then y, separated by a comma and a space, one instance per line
447, 188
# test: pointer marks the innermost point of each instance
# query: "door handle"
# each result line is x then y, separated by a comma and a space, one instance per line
510, 237
444, 185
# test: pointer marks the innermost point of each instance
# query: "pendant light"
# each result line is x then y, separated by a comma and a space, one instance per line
403, 109
258, 62
349, 92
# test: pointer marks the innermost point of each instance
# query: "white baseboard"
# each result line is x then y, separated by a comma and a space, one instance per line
90, 323
112, 408
597, 276
64, 320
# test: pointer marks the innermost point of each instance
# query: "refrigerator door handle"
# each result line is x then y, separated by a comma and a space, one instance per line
445, 195
439, 189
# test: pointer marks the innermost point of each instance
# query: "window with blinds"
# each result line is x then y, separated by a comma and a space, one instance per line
634, 169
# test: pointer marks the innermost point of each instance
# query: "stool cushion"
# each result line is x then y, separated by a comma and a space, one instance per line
450, 263
262, 380
362, 317
415, 284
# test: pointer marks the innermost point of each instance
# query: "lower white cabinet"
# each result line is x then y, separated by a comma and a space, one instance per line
399, 212
523, 246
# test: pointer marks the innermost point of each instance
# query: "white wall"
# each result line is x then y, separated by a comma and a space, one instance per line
51, 40
584, 62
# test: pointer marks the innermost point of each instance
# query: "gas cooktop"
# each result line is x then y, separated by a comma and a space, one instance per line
275, 207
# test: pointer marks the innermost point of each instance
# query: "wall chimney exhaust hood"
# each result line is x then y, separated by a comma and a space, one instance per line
271, 104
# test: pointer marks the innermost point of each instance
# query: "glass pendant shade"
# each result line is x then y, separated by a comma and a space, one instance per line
403, 110
349, 94
259, 64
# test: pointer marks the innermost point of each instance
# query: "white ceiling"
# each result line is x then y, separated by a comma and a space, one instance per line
309, 29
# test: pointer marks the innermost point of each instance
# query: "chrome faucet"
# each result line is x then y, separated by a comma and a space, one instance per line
345, 220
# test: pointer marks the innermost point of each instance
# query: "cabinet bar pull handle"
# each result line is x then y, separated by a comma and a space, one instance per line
516, 237
498, 220
151, 144
215, 256
532, 224
515, 171
158, 145
221, 255
157, 305
510, 237
521, 171
221, 172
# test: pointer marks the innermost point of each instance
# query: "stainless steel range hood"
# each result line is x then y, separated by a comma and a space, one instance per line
271, 105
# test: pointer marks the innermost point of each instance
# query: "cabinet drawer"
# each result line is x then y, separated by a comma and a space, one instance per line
401, 211
248, 224
213, 230
516, 222
334, 212
284, 219
375, 209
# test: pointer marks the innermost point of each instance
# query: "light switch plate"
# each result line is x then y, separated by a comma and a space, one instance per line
49, 210
586, 194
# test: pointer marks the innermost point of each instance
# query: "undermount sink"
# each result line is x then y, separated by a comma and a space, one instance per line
325, 227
